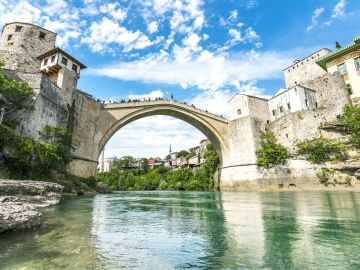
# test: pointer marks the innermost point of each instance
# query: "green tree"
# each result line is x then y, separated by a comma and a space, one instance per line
16, 93
270, 152
351, 120
125, 162
144, 164
182, 153
320, 150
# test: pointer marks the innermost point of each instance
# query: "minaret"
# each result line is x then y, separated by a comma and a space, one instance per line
102, 161
170, 151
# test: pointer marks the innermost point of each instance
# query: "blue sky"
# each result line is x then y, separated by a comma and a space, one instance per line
201, 51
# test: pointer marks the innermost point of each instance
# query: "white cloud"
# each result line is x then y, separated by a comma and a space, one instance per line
314, 18
55, 7
206, 71
214, 101
233, 15
252, 4
114, 10
20, 11
152, 95
339, 9
153, 27
235, 36
154, 135
192, 41
107, 32
337, 12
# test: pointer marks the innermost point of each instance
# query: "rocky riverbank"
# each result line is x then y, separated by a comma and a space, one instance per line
19, 201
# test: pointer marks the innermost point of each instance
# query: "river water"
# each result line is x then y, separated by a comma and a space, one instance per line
193, 230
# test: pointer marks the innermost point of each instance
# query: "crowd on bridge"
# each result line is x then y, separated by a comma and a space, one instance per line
113, 101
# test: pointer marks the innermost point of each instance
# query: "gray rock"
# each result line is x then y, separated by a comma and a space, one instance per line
19, 200
32, 188
14, 217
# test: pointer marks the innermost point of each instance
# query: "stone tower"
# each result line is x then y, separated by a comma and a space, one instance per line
21, 43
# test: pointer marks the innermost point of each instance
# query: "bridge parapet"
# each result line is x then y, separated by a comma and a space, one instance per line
163, 102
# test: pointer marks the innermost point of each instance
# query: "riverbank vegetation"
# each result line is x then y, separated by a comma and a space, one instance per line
270, 153
22, 157
320, 150
161, 177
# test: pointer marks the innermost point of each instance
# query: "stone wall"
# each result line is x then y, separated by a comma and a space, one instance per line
48, 107
295, 175
331, 96
305, 69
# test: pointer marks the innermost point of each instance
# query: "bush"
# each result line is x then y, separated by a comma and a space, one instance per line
270, 152
351, 120
320, 150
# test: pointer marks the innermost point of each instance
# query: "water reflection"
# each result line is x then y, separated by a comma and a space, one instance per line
193, 230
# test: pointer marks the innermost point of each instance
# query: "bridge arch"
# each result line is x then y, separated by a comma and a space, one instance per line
214, 127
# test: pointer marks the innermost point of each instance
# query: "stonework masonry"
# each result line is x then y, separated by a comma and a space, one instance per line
27, 48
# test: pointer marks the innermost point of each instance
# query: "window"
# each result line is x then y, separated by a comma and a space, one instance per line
349, 88
281, 109
18, 28
53, 58
357, 63
288, 106
316, 104
306, 102
42, 35
45, 61
74, 68
273, 112
9, 37
342, 69
64, 61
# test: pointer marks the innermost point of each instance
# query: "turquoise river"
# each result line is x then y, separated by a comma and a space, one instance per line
192, 230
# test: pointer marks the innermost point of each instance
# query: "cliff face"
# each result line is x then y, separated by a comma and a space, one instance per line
20, 199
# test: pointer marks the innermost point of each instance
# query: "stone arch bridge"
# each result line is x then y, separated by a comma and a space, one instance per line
96, 123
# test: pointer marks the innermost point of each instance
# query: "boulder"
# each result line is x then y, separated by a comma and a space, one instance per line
14, 217
19, 200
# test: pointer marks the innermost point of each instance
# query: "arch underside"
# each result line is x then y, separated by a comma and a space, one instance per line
196, 120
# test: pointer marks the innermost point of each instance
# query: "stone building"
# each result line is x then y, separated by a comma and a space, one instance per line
30, 55
346, 61
291, 100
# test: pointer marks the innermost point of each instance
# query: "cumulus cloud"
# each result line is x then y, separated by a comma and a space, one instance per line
314, 19
107, 32
114, 10
20, 11
154, 134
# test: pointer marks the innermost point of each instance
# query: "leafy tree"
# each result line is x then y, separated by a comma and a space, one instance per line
125, 162
351, 121
270, 152
320, 150
16, 93
182, 153
144, 164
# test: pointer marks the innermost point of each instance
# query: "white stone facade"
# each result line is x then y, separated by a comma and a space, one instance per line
291, 100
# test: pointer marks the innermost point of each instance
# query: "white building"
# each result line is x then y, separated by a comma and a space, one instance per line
106, 164
291, 100
58, 65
